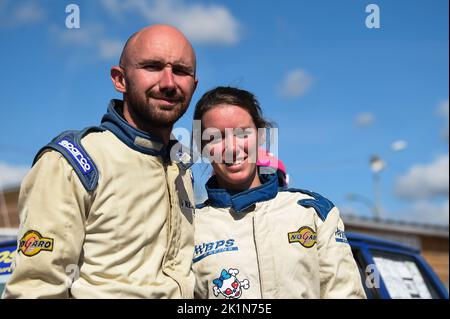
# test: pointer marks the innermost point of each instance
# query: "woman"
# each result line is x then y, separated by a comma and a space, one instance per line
252, 238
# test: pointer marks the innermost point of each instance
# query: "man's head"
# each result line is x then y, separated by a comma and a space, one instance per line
156, 75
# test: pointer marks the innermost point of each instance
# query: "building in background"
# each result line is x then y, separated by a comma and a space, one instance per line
9, 215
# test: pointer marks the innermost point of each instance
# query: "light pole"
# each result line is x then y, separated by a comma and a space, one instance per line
377, 165
366, 201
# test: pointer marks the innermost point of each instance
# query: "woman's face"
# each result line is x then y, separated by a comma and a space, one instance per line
230, 141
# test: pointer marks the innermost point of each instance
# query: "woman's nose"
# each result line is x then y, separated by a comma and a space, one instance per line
230, 148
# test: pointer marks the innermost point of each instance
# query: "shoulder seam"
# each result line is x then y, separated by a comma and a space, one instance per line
68, 144
321, 205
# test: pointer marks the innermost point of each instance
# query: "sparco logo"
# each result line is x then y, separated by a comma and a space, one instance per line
77, 155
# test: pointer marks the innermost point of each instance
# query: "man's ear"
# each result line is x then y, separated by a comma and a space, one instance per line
195, 83
118, 79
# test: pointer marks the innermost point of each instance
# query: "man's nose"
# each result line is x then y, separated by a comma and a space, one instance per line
167, 81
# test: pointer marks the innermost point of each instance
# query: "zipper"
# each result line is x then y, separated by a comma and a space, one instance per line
257, 258
168, 257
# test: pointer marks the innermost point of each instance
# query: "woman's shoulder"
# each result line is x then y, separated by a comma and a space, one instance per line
307, 199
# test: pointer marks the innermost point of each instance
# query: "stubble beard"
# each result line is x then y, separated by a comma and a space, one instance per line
148, 114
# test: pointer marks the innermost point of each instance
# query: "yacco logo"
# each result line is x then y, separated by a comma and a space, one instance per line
206, 249
77, 155
33, 242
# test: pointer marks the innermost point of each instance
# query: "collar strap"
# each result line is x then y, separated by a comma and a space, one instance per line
136, 139
239, 202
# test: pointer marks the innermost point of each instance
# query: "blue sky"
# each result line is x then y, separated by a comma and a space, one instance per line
338, 91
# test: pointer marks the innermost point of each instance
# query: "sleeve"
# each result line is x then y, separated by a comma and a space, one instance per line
52, 217
339, 273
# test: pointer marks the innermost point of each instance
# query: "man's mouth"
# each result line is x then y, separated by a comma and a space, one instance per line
167, 100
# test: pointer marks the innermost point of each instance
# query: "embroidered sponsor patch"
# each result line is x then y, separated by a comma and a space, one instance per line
32, 243
340, 236
306, 236
80, 158
206, 249
6, 257
229, 285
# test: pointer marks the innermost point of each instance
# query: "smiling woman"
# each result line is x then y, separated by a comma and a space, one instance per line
233, 118
247, 218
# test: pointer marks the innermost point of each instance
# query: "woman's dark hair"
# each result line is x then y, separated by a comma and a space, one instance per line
231, 96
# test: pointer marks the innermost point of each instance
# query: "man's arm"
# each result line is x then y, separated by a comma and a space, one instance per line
339, 274
52, 217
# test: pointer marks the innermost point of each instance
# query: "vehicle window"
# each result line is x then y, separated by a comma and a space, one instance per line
371, 291
403, 277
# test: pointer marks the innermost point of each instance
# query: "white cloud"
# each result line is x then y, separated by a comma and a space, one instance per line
425, 181
111, 49
296, 83
426, 212
89, 36
11, 175
21, 13
399, 145
114, 7
364, 119
200, 23
86, 35
442, 111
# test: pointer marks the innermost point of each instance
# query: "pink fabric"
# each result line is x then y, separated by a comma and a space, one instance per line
265, 159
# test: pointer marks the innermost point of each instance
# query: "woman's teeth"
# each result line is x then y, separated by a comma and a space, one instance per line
235, 163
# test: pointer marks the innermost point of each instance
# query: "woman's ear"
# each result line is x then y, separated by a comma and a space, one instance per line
118, 79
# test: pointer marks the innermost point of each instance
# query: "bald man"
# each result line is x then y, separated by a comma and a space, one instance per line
106, 212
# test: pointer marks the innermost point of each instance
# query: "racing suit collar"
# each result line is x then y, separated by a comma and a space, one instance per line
240, 201
134, 138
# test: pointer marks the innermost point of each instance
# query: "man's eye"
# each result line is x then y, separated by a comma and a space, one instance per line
153, 67
181, 71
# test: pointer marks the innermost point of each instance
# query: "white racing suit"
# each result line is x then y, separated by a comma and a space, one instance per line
105, 214
272, 243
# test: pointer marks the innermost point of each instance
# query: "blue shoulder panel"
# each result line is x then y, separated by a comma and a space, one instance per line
69, 145
202, 205
322, 205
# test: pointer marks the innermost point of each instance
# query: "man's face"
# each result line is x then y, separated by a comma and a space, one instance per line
160, 79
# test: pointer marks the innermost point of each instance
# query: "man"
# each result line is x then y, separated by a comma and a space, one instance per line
105, 212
